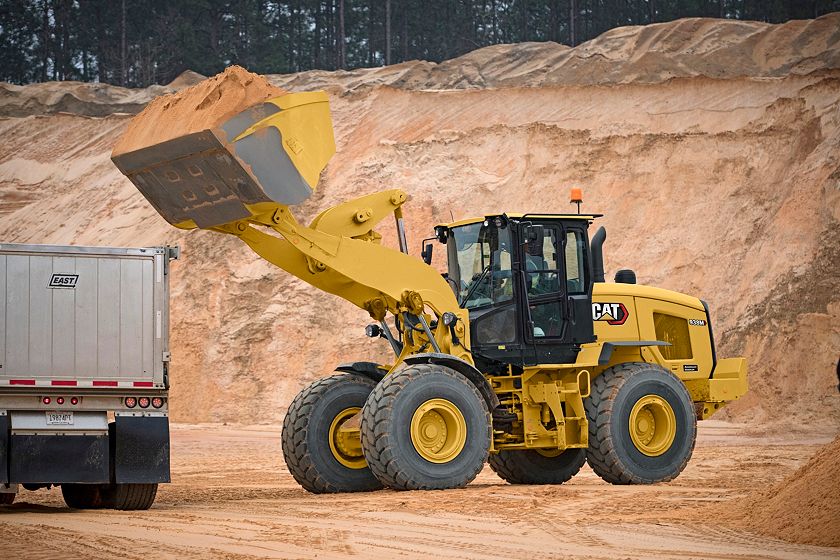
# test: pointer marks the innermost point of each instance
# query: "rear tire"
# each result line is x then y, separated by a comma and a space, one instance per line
532, 467
315, 456
86, 496
656, 405
7, 498
128, 497
425, 427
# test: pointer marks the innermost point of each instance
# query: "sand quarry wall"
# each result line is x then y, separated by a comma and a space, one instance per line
713, 148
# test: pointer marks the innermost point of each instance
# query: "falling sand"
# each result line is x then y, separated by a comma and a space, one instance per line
205, 105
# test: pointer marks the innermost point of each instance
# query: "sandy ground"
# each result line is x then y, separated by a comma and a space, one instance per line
232, 497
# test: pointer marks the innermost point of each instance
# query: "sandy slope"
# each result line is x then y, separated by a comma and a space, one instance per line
720, 178
232, 497
802, 507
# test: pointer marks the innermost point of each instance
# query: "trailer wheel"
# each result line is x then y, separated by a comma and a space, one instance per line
86, 496
133, 496
7, 498
642, 425
537, 466
321, 457
425, 427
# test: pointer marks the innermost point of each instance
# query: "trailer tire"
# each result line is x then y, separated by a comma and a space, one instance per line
642, 424
128, 497
425, 427
7, 498
86, 496
530, 466
314, 454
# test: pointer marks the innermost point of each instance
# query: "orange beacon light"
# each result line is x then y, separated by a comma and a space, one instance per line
576, 197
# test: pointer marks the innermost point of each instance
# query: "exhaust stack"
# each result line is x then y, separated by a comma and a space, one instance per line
597, 254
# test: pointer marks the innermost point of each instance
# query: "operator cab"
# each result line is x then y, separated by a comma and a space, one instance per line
527, 283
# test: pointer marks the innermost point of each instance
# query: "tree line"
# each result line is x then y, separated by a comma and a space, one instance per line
141, 42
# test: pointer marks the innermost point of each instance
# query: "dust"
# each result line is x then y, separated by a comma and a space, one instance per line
202, 106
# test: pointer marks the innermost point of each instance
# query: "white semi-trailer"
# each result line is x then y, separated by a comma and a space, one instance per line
84, 373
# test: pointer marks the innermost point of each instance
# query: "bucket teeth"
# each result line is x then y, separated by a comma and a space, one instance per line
193, 177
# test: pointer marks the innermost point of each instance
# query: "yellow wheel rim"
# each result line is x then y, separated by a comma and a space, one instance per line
345, 445
438, 431
550, 453
653, 425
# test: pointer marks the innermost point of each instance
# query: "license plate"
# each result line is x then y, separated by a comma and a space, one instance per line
59, 418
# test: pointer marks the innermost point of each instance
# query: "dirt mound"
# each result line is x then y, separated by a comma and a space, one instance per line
803, 508
650, 54
78, 98
724, 188
205, 105
694, 47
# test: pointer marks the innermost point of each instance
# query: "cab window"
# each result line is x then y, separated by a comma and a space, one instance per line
541, 266
575, 278
480, 264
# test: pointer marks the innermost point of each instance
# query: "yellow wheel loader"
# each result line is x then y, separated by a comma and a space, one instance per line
520, 354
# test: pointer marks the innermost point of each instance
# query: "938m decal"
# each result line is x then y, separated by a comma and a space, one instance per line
612, 313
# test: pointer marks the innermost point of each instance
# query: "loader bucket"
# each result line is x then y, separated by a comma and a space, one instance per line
273, 152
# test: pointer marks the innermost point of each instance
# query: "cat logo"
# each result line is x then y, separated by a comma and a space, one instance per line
612, 313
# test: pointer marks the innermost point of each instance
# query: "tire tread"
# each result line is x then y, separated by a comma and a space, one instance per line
509, 467
379, 450
601, 454
295, 430
132, 497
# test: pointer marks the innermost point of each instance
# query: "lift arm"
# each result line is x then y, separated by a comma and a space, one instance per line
341, 253
241, 178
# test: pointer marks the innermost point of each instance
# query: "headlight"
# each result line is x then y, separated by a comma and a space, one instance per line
373, 330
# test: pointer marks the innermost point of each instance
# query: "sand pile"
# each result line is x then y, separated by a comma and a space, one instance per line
650, 54
803, 508
749, 163
204, 105
77, 98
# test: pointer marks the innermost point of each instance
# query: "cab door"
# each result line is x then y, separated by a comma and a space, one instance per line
556, 293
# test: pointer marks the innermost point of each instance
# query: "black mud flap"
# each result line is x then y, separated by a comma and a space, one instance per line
53, 459
141, 449
4, 449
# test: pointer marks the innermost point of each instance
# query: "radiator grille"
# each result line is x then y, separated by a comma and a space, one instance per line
674, 330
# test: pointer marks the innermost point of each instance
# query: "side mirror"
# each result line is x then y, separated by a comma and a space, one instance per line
534, 235
426, 253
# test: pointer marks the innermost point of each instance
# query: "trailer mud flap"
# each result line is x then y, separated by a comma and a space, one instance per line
4, 448
53, 459
141, 449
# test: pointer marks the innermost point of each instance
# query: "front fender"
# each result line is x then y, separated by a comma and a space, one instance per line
464, 368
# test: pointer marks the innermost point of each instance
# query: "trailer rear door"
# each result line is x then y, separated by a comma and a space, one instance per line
83, 316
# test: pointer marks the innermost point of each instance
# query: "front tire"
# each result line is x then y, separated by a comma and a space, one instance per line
319, 456
642, 424
7, 498
537, 466
425, 427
